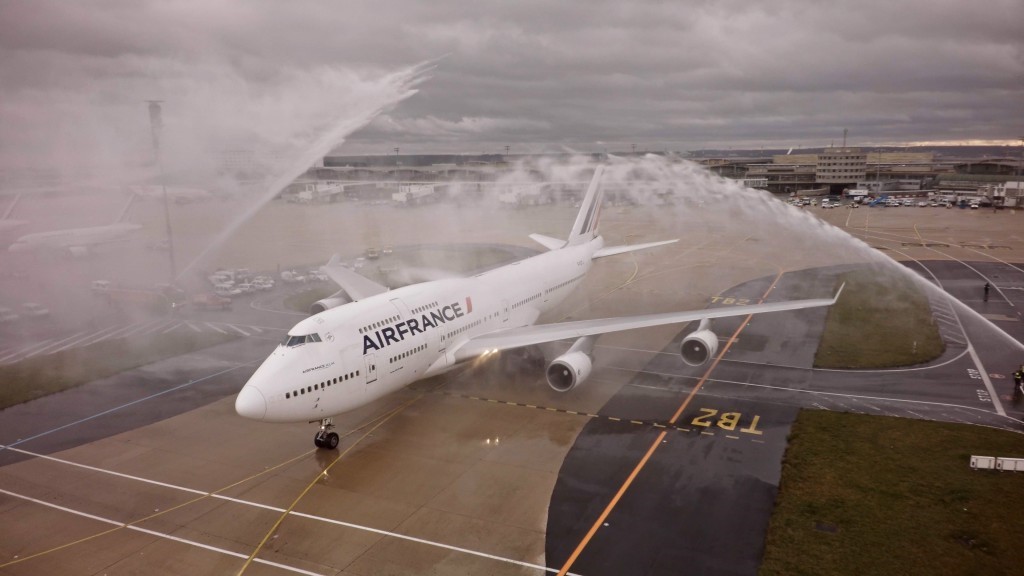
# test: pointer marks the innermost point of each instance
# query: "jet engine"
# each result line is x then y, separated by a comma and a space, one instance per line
572, 368
568, 370
700, 346
332, 301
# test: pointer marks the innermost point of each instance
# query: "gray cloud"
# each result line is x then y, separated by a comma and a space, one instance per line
584, 75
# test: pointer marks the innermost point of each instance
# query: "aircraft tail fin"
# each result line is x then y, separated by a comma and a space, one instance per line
585, 228
10, 208
124, 211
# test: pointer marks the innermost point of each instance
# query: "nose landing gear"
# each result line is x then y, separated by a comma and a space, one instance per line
324, 438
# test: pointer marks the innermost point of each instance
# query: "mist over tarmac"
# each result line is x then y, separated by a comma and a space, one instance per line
291, 120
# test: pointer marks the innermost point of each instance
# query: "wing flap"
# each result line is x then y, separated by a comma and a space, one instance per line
529, 335
355, 285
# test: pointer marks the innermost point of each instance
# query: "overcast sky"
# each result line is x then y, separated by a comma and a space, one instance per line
585, 76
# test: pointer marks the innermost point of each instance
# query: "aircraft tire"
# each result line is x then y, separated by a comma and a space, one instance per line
331, 441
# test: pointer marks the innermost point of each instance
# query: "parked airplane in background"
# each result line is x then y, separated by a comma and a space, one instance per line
179, 194
355, 353
76, 241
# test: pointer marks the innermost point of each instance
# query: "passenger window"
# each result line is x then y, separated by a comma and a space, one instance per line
303, 391
287, 395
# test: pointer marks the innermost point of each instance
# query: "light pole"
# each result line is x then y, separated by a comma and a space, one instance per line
398, 169
155, 125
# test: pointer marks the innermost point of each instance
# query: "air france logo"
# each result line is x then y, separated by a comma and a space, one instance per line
393, 334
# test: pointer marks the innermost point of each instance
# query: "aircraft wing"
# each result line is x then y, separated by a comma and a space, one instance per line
529, 335
355, 285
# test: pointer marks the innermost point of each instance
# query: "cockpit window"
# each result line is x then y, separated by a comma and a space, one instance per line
290, 340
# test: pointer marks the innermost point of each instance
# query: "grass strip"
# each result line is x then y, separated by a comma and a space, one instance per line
883, 495
882, 320
50, 373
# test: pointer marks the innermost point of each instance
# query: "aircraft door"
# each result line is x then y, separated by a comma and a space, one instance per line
371, 369
504, 310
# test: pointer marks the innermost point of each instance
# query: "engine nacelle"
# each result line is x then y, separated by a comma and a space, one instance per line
333, 301
699, 347
568, 370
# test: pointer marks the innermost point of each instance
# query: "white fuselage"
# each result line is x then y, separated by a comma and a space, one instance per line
74, 237
348, 356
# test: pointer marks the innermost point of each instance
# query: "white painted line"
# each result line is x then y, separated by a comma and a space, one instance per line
839, 394
34, 349
62, 508
985, 378
237, 329
132, 403
103, 470
160, 325
158, 534
970, 347
83, 340
265, 507
121, 333
189, 324
217, 329
172, 327
143, 326
13, 355
60, 342
100, 336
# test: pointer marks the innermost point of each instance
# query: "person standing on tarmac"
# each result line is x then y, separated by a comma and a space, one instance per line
1018, 378
987, 286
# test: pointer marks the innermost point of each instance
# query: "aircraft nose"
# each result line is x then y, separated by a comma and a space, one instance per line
250, 403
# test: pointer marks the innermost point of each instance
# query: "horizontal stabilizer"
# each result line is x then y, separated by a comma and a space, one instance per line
613, 250
355, 285
547, 241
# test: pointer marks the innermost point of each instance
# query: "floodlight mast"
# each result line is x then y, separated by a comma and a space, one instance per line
155, 125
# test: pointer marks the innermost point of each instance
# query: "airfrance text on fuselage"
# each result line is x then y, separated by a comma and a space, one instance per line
394, 334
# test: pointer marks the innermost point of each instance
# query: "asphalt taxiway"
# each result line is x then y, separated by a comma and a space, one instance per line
650, 467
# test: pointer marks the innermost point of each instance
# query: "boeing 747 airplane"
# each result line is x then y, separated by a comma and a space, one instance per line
383, 340
76, 241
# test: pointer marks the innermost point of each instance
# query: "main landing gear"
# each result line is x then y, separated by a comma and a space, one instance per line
324, 438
